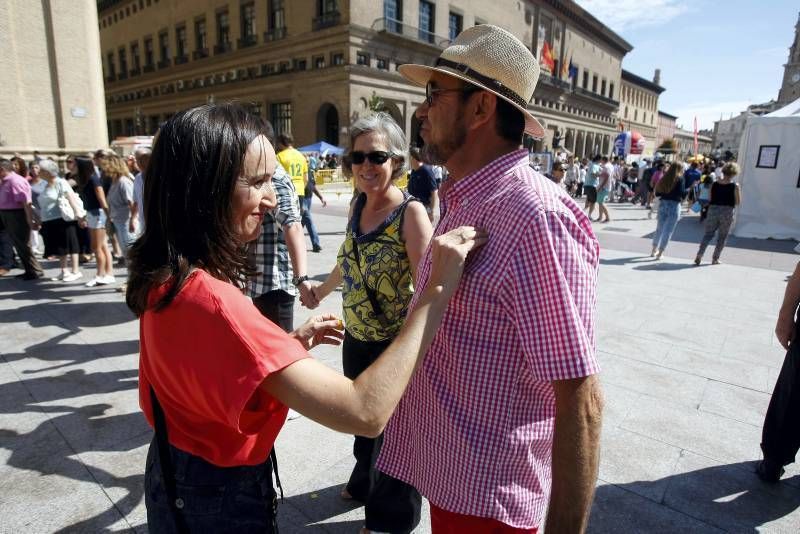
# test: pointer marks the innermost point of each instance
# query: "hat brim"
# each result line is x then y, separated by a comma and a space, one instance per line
420, 74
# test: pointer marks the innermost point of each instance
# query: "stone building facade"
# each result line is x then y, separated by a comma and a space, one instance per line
684, 140
312, 66
51, 101
638, 107
665, 127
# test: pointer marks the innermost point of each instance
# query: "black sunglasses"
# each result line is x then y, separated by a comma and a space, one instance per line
431, 91
379, 157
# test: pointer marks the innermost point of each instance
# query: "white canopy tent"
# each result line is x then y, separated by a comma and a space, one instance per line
769, 156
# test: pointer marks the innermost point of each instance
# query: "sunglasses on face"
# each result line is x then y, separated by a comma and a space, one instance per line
431, 91
379, 157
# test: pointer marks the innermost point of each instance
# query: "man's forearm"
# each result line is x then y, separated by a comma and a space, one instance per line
576, 455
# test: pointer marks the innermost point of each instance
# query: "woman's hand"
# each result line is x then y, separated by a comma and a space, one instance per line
784, 330
307, 296
324, 329
448, 254
82, 222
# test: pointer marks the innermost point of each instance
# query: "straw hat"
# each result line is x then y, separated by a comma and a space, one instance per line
494, 60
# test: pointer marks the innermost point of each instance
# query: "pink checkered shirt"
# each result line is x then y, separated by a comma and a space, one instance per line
473, 432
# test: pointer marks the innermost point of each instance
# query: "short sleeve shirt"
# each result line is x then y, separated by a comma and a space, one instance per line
296, 165
205, 355
474, 430
89, 193
15, 192
48, 199
120, 196
422, 183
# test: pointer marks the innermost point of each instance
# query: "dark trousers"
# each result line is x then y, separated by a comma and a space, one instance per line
780, 438
278, 307
6, 250
16, 225
391, 505
235, 500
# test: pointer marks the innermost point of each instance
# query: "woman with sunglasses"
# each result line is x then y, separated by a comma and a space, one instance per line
387, 235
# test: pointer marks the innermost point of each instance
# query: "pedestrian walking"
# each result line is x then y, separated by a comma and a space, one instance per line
121, 206
725, 196
60, 235
670, 191
590, 185
387, 235
604, 188
780, 438
295, 164
210, 464
93, 194
423, 185
17, 217
508, 390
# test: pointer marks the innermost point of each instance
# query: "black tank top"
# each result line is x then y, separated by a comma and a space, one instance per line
723, 194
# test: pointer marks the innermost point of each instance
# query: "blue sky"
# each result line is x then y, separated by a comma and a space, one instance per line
716, 56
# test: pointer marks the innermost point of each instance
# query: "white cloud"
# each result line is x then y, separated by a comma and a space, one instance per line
708, 112
622, 15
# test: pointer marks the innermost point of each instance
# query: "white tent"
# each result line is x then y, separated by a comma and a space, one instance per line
769, 156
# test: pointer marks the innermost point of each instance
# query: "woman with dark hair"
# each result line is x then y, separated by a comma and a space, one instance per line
93, 193
215, 377
670, 190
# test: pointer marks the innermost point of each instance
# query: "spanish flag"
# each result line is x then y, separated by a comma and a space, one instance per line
565, 68
547, 57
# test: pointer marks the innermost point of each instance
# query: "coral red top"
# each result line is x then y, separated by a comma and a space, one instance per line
205, 355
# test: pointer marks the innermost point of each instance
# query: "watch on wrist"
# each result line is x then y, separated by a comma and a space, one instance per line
297, 280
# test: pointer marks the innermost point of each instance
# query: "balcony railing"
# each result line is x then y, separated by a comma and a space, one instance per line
247, 40
200, 53
397, 27
135, 72
274, 34
554, 82
122, 75
223, 48
180, 60
596, 96
164, 63
149, 68
326, 20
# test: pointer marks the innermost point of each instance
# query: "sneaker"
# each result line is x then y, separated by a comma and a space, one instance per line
60, 277
715, 261
71, 277
697, 260
316, 248
105, 280
94, 281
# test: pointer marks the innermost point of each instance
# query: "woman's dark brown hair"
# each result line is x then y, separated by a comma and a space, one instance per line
196, 161
670, 178
85, 170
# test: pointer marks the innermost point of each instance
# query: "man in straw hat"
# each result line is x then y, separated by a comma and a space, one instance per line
501, 422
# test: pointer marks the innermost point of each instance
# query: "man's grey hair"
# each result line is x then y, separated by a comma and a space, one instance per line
50, 167
384, 125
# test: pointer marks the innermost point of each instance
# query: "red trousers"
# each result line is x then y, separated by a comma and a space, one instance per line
444, 522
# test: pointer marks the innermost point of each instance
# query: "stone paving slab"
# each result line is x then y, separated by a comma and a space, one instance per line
688, 357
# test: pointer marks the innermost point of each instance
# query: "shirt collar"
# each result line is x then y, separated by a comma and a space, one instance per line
487, 177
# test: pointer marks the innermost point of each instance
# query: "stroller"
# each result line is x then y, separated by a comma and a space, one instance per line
623, 192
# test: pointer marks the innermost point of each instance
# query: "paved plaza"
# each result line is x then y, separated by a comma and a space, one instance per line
688, 361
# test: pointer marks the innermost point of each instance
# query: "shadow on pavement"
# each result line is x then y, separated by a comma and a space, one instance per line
625, 261
66, 354
665, 266
727, 498
315, 506
73, 314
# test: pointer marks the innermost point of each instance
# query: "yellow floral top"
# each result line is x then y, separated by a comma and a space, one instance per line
385, 265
